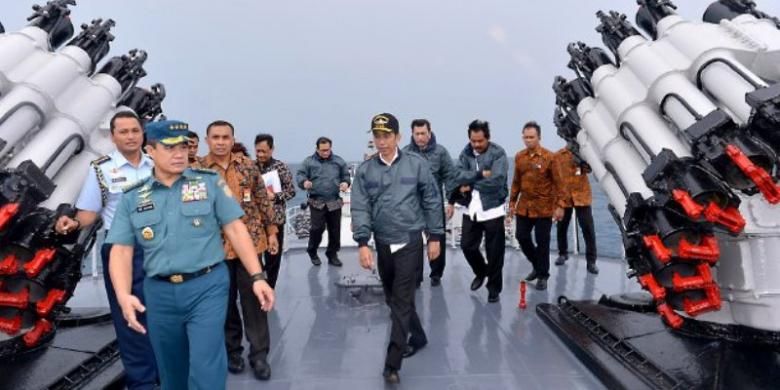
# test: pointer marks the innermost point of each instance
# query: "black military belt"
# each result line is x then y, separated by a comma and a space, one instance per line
181, 278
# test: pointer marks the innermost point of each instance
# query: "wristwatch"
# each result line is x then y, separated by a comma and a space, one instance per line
258, 277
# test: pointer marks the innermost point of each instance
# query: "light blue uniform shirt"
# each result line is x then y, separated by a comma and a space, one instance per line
178, 227
117, 173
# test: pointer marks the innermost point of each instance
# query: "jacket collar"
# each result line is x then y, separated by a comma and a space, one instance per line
317, 157
470, 151
431, 145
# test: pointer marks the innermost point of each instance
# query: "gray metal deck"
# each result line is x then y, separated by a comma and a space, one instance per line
324, 340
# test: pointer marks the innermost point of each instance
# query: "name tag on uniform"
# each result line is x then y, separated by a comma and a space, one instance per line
144, 207
193, 191
118, 179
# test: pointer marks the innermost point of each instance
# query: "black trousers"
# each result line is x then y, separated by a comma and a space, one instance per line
538, 254
437, 264
399, 273
272, 263
585, 220
495, 244
255, 321
320, 219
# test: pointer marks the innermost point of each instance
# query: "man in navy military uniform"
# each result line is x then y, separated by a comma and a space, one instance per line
99, 197
395, 198
177, 216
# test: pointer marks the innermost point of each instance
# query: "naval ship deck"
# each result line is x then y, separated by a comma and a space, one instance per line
324, 338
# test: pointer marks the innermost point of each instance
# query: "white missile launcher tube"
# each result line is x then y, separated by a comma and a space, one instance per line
660, 67
40, 89
729, 88
81, 108
601, 174
15, 47
70, 180
701, 43
766, 38
615, 151
623, 94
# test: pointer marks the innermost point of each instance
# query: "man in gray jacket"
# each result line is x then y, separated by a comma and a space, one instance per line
424, 143
483, 190
323, 175
395, 198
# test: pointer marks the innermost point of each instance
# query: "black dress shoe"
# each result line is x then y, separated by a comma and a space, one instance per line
410, 349
334, 261
236, 363
316, 260
493, 297
435, 282
261, 369
561, 260
477, 283
541, 284
531, 276
593, 269
391, 376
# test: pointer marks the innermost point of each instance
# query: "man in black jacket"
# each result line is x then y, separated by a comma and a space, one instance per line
424, 143
395, 198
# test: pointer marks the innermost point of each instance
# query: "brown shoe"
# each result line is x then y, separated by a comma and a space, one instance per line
391, 376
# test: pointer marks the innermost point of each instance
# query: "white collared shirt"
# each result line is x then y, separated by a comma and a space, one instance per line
475, 210
118, 173
395, 157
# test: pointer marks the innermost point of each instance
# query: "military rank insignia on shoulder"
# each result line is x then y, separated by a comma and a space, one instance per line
204, 170
101, 160
133, 185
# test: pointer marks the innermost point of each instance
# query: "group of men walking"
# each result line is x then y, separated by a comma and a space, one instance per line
397, 197
188, 235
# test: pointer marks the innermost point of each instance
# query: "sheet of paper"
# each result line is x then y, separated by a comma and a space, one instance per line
272, 181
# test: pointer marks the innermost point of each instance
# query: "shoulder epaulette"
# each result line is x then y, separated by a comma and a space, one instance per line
134, 185
204, 170
101, 160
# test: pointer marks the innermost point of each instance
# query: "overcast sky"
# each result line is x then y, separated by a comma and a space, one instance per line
301, 69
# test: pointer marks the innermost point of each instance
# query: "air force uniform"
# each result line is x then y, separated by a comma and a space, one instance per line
102, 190
186, 285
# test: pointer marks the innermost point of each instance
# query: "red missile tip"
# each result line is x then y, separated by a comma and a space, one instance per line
757, 175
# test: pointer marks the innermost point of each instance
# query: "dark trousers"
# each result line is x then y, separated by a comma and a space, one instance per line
255, 321
437, 264
399, 273
135, 349
495, 243
320, 219
272, 263
585, 220
538, 254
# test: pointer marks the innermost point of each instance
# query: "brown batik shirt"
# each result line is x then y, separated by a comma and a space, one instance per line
536, 184
576, 188
245, 182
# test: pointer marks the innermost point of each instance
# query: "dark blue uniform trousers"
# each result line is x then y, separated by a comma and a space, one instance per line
186, 327
134, 348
